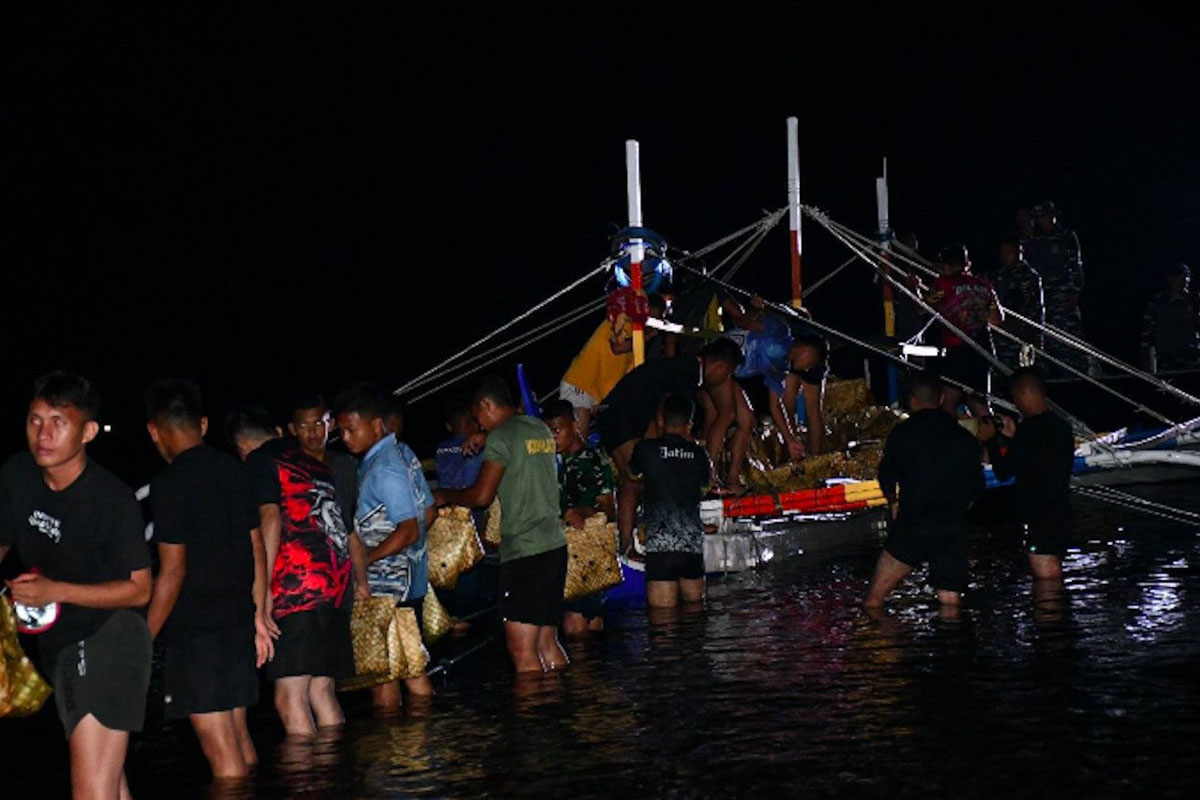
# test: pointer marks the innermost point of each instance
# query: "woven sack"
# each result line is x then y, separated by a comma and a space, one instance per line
491, 532
435, 617
23, 691
415, 656
454, 546
592, 564
378, 654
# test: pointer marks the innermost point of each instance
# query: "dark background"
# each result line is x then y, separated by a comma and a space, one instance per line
275, 201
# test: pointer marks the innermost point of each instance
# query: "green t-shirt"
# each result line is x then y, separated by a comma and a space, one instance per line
529, 521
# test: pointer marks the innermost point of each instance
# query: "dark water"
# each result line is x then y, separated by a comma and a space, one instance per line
784, 685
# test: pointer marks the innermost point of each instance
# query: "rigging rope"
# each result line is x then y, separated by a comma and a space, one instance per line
523, 315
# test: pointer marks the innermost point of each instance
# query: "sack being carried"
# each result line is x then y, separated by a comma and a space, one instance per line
454, 546
23, 691
387, 644
592, 564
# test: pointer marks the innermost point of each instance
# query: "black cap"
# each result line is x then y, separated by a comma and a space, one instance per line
1045, 207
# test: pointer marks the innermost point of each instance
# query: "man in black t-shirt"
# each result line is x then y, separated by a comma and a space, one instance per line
204, 594
629, 411
675, 472
1040, 454
930, 474
79, 526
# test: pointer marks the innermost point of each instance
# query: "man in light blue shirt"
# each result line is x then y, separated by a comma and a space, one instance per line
395, 508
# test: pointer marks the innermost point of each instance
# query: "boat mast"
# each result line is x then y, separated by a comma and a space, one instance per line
795, 241
889, 305
637, 251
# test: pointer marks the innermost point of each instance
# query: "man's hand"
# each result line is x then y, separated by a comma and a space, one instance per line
474, 443
268, 617
31, 589
264, 640
574, 518
986, 430
1008, 426
361, 591
795, 450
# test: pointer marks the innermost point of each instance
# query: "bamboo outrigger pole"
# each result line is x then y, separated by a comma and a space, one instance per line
637, 252
793, 189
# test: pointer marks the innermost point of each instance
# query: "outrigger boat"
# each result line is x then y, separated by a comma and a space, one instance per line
756, 529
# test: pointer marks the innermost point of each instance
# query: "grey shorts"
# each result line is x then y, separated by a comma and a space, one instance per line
105, 675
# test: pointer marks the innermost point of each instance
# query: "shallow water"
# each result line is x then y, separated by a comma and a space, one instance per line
782, 684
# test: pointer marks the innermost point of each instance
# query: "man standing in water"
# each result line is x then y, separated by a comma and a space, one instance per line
930, 474
301, 496
676, 473
204, 593
79, 526
1039, 453
519, 467
394, 512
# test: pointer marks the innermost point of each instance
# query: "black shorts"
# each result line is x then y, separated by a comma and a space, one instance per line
1046, 538
105, 675
589, 606
945, 552
207, 670
531, 588
963, 365
315, 642
674, 566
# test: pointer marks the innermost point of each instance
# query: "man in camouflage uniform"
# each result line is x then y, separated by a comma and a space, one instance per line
1019, 289
1054, 252
1171, 324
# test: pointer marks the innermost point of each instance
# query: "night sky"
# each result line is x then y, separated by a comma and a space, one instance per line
270, 203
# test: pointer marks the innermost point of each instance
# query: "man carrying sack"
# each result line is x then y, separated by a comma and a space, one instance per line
519, 468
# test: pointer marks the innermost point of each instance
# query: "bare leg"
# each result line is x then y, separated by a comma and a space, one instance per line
662, 594
386, 698
291, 701
1045, 567
242, 732
949, 598
322, 696
574, 623
889, 571
550, 652
741, 437
419, 687
691, 590
97, 760
522, 641
218, 740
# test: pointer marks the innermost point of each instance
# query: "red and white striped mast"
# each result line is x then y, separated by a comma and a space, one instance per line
795, 240
637, 247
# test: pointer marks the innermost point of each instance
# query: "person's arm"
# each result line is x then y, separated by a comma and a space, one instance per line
358, 565
261, 584
813, 393
479, 494
33, 589
1075, 266
403, 536
270, 521
749, 319
4, 548
172, 568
